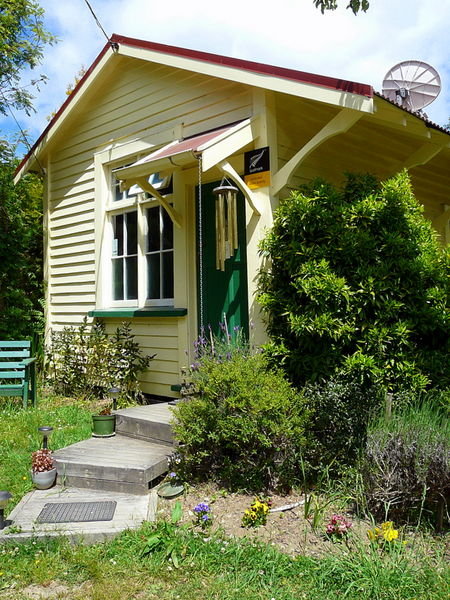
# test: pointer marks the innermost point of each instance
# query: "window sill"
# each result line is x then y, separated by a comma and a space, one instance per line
157, 311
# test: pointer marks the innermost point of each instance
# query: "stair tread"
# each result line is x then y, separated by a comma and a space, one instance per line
156, 413
115, 452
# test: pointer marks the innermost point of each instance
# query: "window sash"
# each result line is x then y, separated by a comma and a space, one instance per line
125, 256
159, 255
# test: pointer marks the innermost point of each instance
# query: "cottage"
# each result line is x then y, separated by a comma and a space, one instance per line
133, 227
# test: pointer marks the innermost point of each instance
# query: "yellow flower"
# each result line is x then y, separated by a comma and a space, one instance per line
390, 534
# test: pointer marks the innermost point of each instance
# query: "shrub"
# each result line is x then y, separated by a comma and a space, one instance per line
356, 282
407, 464
341, 408
244, 425
88, 362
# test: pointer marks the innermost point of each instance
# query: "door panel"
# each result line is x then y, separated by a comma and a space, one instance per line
224, 292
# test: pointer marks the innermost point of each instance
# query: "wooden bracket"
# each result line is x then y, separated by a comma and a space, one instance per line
338, 124
226, 168
147, 187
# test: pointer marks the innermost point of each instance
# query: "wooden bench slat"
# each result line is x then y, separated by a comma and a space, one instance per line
12, 375
14, 344
14, 353
16, 364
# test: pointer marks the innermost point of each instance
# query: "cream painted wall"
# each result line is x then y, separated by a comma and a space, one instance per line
136, 107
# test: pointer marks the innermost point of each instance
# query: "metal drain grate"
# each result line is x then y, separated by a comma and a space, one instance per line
77, 512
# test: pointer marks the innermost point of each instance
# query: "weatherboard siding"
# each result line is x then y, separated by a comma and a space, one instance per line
137, 99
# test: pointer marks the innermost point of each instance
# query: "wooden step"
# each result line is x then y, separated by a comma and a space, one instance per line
150, 423
119, 463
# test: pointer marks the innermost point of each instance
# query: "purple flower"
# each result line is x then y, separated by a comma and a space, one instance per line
202, 507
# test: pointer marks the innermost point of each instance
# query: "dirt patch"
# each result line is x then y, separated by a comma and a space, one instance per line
288, 530
53, 591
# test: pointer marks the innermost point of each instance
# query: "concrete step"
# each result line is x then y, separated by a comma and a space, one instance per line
131, 511
150, 423
119, 463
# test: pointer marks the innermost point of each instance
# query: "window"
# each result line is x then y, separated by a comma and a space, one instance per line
159, 254
142, 255
125, 257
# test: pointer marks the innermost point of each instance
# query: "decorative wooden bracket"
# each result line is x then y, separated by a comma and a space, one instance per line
442, 220
147, 187
339, 124
226, 168
422, 155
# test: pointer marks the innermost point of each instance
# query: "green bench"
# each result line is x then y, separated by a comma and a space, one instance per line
17, 371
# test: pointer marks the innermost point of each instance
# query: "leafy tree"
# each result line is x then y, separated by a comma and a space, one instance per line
354, 5
22, 39
358, 284
20, 250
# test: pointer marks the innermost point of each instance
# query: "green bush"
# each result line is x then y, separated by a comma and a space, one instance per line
244, 425
357, 283
406, 466
340, 411
86, 361
21, 243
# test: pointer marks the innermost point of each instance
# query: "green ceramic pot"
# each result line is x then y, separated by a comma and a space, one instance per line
103, 425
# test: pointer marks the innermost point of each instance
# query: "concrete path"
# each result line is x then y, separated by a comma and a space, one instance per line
131, 511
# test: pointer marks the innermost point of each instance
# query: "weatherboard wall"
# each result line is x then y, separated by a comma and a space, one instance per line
134, 105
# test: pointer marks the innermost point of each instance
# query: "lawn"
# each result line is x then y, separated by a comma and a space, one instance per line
189, 562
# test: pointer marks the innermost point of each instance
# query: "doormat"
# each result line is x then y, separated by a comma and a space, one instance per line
77, 512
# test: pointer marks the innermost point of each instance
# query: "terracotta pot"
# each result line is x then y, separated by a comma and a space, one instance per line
44, 480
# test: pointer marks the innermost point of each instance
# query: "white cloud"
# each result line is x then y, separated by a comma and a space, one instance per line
289, 33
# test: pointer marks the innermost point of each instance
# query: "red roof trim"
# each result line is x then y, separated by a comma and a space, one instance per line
329, 82
63, 106
192, 143
261, 68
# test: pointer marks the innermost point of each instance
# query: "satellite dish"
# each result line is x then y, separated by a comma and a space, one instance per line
412, 84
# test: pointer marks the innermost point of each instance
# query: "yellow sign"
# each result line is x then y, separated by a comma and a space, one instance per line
257, 180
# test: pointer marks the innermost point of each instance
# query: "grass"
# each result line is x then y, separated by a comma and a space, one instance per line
226, 569
19, 437
209, 566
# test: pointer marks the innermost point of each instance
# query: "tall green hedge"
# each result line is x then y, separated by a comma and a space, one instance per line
21, 288
356, 282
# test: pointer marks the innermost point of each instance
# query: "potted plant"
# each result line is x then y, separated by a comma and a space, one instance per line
43, 470
104, 423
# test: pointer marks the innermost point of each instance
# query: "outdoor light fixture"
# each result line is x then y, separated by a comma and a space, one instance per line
226, 222
113, 393
46, 433
4, 499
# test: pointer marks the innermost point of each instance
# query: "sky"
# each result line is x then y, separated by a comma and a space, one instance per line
288, 33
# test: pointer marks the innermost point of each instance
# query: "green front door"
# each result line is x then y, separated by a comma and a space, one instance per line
222, 292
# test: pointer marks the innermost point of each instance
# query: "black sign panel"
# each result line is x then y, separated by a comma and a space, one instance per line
256, 161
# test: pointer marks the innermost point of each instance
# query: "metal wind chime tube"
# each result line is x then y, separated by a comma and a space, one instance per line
226, 222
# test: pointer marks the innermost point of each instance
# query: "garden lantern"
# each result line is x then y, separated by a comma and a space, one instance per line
226, 222
113, 393
46, 432
4, 499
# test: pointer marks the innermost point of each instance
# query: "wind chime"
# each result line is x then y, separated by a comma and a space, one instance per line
226, 222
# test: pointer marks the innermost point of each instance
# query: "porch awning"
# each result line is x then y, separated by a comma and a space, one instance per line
212, 146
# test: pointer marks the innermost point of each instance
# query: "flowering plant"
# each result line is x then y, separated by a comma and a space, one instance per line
338, 527
203, 514
256, 515
42, 460
384, 533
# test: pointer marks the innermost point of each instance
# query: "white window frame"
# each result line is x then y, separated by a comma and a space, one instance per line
140, 202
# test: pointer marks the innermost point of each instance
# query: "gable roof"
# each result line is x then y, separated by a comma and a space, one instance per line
269, 73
